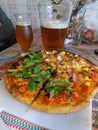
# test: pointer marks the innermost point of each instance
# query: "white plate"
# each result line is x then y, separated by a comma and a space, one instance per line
81, 120
2, 125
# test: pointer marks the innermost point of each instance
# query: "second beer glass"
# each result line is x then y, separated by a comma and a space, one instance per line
54, 22
24, 32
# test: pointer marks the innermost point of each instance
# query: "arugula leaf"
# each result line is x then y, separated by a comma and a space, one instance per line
51, 68
27, 72
37, 78
32, 86
33, 59
54, 87
47, 74
52, 91
58, 82
37, 69
31, 62
33, 82
34, 55
50, 71
16, 74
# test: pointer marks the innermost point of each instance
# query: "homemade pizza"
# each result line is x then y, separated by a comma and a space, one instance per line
53, 81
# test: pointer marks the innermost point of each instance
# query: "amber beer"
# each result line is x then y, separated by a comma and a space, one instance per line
24, 36
53, 37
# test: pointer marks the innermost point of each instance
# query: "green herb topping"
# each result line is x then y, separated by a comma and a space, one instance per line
54, 87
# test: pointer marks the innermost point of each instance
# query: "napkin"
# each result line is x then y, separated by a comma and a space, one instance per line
2, 125
16, 123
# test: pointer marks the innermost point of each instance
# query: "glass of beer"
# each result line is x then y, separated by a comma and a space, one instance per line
24, 33
54, 22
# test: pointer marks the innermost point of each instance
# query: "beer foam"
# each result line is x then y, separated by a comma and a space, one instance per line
24, 23
55, 25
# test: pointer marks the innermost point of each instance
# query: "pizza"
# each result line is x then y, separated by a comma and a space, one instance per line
53, 81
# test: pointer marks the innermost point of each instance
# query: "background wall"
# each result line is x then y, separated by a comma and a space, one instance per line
11, 6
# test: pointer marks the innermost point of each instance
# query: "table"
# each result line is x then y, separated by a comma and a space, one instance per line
86, 50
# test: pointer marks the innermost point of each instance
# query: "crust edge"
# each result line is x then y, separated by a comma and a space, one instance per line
61, 109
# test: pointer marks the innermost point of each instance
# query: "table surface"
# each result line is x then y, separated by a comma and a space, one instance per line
85, 49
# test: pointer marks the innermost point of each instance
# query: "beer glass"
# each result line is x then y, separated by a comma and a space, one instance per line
54, 22
24, 33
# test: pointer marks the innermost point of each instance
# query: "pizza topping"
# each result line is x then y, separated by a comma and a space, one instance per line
78, 77
54, 87
22, 89
12, 81
94, 75
33, 59
34, 71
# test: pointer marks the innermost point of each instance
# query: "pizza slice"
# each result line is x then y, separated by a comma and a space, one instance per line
61, 96
18, 87
26, 78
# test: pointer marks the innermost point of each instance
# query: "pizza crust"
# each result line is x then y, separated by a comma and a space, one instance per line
93, 93
25, 98
61, 109
64, 108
